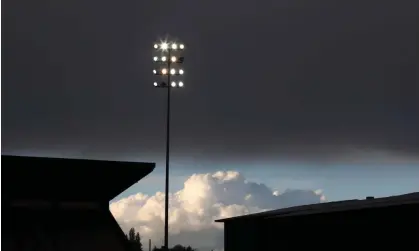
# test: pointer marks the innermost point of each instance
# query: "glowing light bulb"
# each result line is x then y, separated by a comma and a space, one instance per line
164, 46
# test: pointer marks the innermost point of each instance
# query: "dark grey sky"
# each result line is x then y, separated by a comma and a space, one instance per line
264, 78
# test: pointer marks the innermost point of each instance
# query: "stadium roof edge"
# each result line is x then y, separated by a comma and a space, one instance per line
68, 179
330, 207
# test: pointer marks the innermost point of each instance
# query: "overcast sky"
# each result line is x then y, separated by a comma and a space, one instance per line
264, 79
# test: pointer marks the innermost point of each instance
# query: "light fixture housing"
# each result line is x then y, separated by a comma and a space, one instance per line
180, 60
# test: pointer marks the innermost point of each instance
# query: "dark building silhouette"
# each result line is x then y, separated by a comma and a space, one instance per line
63, 204
370, 224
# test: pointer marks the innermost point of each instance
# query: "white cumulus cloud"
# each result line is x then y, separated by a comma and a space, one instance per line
203, 199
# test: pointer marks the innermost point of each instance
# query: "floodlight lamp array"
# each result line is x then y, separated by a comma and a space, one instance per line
173, 84
164, 59
165, 71
170, 55
164, 46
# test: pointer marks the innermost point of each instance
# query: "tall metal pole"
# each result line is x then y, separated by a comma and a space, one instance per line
167, 47
166, 205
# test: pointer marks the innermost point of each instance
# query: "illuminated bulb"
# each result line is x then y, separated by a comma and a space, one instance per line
164, 46
173, 84
180, 84
155, 58
174, 46
156, 46
154, 71
164, 71
172, 71
163, 59
181, 72
181, 46
173, 59
155, 84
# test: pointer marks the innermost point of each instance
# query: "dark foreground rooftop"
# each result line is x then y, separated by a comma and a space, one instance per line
39, 178
339, 206
63, 204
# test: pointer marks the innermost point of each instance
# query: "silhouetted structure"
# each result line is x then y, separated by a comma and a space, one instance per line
371, 224
63, 204
176, 248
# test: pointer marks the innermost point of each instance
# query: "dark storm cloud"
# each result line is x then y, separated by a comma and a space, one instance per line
264, 78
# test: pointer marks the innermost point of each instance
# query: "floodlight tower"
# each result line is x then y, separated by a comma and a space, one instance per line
168, 62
